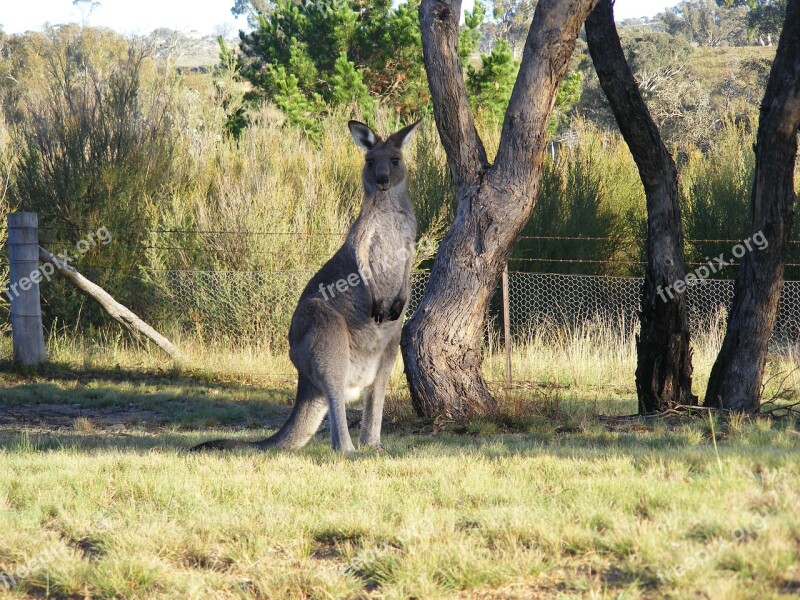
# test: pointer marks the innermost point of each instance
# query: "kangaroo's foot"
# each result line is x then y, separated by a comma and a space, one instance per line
370, 444
345, 448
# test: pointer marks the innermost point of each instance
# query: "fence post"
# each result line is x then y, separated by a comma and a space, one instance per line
507, 326
27, 334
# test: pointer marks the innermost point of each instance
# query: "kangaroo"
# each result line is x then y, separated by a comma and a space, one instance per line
345, 332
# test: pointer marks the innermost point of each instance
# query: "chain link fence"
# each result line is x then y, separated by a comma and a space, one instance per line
539, 300
255, 305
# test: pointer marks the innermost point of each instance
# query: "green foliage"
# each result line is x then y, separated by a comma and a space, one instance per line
285, 91
715, 192
766, 18
512, 19
470, 34
250, 9
568, 95
225, 77
95, 145
716, 189
689, 91
591, 189
648, 51
309, 56
348, 87
726, 22
490, 86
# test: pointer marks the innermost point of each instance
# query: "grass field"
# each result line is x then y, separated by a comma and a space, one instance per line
99, 498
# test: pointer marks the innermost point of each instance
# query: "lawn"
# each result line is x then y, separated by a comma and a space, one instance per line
99, 497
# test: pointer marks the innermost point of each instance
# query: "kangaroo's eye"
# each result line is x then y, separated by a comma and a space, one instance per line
395, 161
370, 162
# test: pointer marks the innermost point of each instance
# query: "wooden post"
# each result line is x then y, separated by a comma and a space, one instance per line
507, 326
27, 334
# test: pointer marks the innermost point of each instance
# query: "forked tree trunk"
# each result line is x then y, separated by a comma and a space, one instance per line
664, 357
442, 342
737, 375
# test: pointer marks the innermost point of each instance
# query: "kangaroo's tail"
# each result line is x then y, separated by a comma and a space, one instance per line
307, 414
223, 445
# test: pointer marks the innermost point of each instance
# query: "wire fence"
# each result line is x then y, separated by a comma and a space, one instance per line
536, 300
256, 305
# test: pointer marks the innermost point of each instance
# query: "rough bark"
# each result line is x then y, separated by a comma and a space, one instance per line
664, 358
442, 342
736, 378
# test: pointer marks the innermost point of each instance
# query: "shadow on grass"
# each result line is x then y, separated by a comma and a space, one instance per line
645, 451
68, 373
59, 407
55, 395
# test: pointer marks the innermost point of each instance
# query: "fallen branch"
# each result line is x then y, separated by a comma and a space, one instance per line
680, 410
123, 315
779, 411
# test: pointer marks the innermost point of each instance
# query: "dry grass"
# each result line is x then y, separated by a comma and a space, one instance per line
98, 497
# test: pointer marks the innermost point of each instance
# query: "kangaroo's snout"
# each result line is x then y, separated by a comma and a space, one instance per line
382, 179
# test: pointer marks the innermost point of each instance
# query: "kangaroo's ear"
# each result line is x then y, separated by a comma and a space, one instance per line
364, 137
402, 137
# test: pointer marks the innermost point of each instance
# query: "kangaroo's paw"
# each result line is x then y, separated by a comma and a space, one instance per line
379, 314
396, 309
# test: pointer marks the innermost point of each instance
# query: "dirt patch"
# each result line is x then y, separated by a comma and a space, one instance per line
69, 417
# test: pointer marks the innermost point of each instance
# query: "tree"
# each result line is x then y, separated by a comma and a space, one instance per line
490, 86
512, 19
676, 97
250, 9
441, 342
736, 378
707, 24
96, 144
304, 56
764, 17
470, 33
664, 357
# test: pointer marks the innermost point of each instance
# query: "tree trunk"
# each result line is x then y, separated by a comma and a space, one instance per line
664, 365
737, 374
441, 342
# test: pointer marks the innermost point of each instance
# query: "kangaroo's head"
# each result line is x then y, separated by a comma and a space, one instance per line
383, 163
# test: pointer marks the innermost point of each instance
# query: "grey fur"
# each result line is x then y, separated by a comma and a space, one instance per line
344, 335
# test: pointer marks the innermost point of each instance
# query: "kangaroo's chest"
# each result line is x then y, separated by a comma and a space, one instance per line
392, 244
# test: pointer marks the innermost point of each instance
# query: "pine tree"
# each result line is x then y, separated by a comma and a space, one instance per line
490, 86
306, 57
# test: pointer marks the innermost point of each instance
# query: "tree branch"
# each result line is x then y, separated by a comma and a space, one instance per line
548, 49
465, 152
634, 119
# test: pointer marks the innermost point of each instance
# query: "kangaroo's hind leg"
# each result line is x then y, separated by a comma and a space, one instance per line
370, 434
323, 355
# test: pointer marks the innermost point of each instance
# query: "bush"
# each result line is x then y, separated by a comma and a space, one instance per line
590, 189
93, 124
